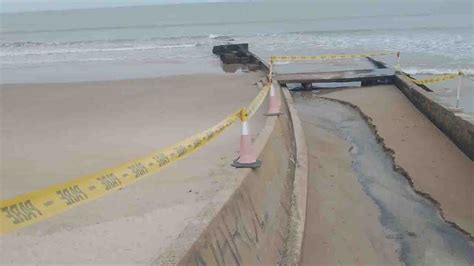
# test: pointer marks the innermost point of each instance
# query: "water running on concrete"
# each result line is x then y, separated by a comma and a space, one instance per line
407, 218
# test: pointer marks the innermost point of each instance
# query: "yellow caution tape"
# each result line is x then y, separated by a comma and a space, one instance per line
35, 206
437, 78
257, 101
276, 58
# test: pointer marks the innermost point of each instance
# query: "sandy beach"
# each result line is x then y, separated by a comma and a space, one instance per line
53, 132
120, 132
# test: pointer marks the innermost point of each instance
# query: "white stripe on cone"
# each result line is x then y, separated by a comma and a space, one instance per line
245, 128
247, 154
273, 104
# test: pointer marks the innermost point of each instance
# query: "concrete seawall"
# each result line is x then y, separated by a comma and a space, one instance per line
294, 244
262, 221
454, 125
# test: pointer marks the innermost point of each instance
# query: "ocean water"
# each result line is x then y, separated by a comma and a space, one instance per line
134, 42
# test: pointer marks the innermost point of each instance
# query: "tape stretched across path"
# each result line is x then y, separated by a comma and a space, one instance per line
276, 58
258, 100
437, 78
35, 206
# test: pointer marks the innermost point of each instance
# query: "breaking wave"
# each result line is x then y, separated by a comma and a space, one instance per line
78, 48
436, 71
220, 37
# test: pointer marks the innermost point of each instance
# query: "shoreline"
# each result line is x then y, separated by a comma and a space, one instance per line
106, 81
101, 71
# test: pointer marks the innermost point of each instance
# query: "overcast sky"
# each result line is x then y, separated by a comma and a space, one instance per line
38, 5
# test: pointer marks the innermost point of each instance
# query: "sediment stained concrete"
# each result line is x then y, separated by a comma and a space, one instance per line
432, 162
342, 224
361, 210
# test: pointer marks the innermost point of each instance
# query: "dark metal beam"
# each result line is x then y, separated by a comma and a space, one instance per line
364, 75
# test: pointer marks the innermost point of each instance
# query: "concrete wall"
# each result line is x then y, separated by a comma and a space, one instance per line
261, 222
251, 228
453, 124
294, 242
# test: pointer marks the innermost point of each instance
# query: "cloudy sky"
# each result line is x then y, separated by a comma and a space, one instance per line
37, 5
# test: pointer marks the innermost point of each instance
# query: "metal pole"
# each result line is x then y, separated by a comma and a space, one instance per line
270, 75
459, 90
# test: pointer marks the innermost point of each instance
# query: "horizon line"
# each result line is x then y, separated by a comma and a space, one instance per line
128, 6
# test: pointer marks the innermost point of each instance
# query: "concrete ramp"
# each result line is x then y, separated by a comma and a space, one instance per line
387, 180
385, 186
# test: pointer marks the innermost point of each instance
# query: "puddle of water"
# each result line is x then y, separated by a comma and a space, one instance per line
413, 221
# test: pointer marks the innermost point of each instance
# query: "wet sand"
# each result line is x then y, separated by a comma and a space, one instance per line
360, 211
53, 132
435, 165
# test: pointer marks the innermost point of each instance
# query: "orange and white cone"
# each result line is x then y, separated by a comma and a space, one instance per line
247, 157
273, 103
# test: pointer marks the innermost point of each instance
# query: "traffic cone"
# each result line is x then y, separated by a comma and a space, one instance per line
247, 157
273, 102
